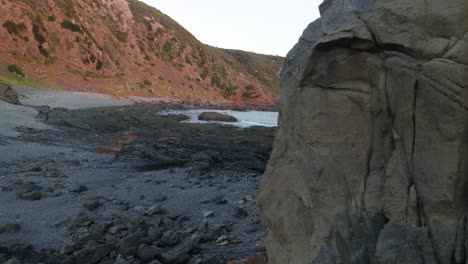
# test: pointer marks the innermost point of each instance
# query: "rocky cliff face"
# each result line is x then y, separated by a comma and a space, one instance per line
370, 163
126, 47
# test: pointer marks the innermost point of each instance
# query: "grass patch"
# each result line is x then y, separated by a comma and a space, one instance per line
22, 81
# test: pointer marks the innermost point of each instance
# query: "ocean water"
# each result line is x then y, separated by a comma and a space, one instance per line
246, 118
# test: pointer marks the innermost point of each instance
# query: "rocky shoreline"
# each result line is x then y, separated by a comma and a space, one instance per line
125, 185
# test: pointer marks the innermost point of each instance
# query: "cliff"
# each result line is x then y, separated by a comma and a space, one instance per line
370, 161
125, 47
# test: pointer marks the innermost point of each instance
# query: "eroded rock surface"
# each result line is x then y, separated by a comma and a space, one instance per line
370, 161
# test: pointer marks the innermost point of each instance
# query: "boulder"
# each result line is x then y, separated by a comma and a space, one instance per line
8, 95
370, 161
214, 116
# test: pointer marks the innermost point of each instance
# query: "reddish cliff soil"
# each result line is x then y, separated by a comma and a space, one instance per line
125, 47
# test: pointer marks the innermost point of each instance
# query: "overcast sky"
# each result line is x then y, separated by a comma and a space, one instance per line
262, 26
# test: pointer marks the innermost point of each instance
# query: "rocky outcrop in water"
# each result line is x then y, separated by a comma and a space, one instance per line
215, 116
370, 161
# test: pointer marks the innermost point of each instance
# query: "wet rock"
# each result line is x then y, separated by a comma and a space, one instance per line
148, 253
92, 204
94, 254
178, 255
89, 238
81, 220
10, 228
115, 230
154, 232
12, 261
129, 245
157, 209
208, 214
215, 116
67, 249
160, 198
240, 213
121, 260
31, 196
79, 188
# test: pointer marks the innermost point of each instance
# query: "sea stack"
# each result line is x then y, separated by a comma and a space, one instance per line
370, 162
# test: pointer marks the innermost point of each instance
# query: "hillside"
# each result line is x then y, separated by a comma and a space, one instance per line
125, 47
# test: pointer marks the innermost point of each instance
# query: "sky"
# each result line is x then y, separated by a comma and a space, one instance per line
262, 26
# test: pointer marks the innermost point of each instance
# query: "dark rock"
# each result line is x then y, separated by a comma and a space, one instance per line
130, 244
81, 220
157, 209
67, 249
148, 253
10, 228
93, 255
31, 196
8, 95
12, 261
215, 116
92, 205
160, 198
240, 212
79, 188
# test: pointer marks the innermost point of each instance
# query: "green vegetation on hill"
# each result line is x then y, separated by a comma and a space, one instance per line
15, 69
134, 45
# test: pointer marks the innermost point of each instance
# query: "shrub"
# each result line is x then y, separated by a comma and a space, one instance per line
249, 87
71, 26
99, 65
37, 34
121, 36
52, 18
43, 51
13, 28
15, 69
147, 83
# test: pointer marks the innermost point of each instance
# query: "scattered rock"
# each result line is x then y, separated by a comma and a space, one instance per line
81, 220
120, 260
157, 209
8, 95
31, 196
208, 214
215, 116
79, 188
160, 198
10, 228
92, 205
240, 213
12, 261
94, 254
67, 249
129, 245
148, 253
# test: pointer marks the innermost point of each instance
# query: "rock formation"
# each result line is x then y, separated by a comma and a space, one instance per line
8, 95
370, 163
215, 116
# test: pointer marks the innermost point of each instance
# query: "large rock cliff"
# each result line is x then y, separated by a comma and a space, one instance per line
370, 163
